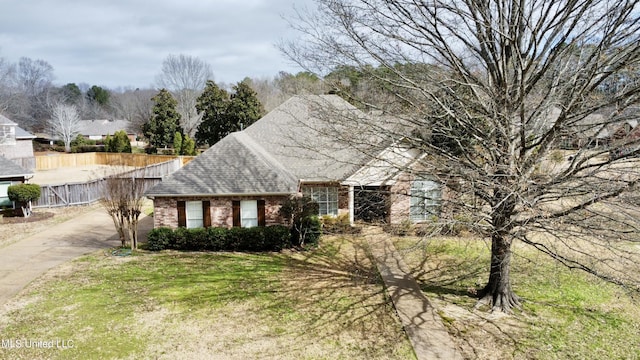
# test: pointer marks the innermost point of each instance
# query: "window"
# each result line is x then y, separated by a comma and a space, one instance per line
194, 214
4, 197
249, 213
326, 197
426, 196
7, 134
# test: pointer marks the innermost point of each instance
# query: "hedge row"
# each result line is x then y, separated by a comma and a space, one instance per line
271, 238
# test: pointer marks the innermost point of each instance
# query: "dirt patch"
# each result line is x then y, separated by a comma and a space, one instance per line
16, 219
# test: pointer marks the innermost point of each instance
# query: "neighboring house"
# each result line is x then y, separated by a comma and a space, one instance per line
16, 144
243, 179
99, 129
10, 174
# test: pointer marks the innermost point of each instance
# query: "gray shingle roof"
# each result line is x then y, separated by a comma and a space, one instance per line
10, 169
103, 127
23, 134
5, 120
310, 134
235, 165
297, 141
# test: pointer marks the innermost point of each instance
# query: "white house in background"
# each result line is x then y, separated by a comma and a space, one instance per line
99, 129
16, 144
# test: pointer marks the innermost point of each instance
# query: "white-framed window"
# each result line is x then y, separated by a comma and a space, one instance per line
4, 197
326, 197
249, 213
7, 135
426, 196
194, 214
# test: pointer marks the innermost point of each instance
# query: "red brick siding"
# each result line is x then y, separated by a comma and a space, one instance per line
165, 212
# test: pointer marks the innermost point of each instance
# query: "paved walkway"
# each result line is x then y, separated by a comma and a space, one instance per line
423, 326
25, 260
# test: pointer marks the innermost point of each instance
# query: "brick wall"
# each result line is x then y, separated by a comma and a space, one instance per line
401, 200
165, 210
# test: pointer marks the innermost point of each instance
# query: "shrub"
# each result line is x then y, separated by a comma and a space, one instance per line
216, 239
308, 233
160, 238
338, 225
277, 237
301, 212
273, 238
23, 193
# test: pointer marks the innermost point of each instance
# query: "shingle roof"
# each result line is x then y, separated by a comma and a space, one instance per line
310, 135
5, 120
295, 142
10, 169
23, 134
103, 127
235, 165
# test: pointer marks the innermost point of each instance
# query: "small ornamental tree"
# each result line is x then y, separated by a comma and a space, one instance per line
23, 195
301, 212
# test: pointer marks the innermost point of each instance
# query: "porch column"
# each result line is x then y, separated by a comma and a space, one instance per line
351, 205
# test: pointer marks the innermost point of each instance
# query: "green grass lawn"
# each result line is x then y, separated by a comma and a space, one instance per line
323, 304
565, 314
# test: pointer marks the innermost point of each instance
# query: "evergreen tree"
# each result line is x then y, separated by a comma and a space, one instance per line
118, 143
98, 95
223, 114
245, 108
213, 104
188, 146
177, 143
162, 125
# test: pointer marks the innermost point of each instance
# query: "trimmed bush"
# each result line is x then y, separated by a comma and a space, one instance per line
160, 239
272, 238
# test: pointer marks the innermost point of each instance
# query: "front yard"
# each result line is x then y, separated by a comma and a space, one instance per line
322, 304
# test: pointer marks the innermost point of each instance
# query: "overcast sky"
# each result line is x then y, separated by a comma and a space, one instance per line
116, 43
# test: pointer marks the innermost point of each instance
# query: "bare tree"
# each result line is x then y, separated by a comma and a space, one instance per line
185, 76
135, 106
503, 84
7, 84
65, 123
123, 199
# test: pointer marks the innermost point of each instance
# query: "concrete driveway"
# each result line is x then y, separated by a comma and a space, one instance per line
25, 260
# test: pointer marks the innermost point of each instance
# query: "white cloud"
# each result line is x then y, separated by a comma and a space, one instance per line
123, 42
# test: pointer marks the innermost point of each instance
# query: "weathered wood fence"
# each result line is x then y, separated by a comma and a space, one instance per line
47, 162
82, 193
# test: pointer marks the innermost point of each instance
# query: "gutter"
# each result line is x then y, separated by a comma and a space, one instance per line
153, 196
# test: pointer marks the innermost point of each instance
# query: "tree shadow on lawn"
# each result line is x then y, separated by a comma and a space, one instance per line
340, 292
449, 273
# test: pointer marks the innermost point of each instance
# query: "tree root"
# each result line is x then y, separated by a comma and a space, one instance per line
504, 302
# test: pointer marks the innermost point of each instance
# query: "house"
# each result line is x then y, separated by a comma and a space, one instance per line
99, 129
308, 145
10, 174
16, 144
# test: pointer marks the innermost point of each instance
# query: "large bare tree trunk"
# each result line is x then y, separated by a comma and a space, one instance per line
498, 293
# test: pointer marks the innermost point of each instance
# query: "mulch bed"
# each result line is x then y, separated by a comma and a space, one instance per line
35, 216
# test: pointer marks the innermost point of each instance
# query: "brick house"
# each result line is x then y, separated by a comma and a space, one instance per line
243, 179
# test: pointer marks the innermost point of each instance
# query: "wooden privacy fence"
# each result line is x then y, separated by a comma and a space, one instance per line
78, 193
47, 162
82, 193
